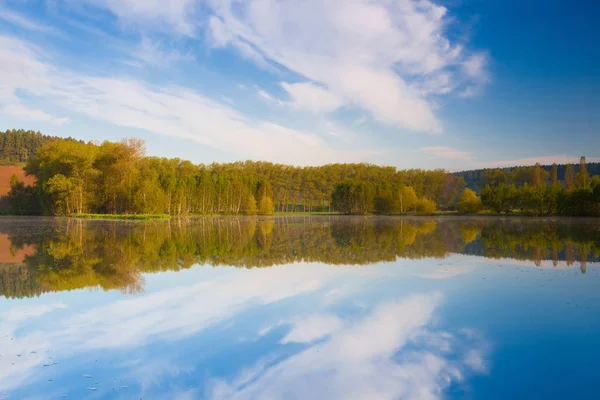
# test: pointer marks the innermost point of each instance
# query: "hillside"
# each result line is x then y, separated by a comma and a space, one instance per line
6, 171
475, 178
17, 146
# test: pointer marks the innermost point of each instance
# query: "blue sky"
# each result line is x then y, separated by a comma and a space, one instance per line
426, 84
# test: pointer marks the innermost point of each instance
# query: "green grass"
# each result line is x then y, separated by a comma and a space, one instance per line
137, 217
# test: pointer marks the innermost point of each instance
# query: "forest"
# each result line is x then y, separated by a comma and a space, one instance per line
117, 178
18, 146
74, 254
74, 177
476, 178
538, 192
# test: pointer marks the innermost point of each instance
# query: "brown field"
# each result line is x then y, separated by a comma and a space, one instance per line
6, 172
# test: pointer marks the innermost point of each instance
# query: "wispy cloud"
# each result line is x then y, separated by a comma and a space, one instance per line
446, 152
170, 314
22, 112
172, 110
310, 97
172, 14
24, 22
151, 53
446, 272
360, 360
313, 327
371, 54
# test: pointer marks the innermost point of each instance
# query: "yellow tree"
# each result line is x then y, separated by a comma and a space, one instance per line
266, 206
468, 203
408, 199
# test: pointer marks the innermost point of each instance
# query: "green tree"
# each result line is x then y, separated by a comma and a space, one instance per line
495, 177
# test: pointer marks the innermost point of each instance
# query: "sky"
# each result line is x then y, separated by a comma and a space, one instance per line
454, 84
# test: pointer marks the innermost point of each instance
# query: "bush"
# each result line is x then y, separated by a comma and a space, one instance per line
469, 203
425, 206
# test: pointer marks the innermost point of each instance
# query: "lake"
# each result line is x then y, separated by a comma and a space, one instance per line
316, 307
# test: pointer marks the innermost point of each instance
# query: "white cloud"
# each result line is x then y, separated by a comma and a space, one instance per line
19, 314
359, 360
22, 112
371, 54
474, 66
20, 20
167, 315
153, 54
310, 328
172, 13
446, 272
172, 110
266, 95
220, 36
20, 67
310, 97
446, 152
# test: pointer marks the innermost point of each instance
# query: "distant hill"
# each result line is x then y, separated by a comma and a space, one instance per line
475, 178
17, 146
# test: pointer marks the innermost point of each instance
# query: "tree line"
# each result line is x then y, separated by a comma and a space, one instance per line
542, 193
117, 178
18, 146
476, 179
73, 254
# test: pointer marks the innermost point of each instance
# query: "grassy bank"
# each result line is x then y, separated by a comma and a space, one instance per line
137, 217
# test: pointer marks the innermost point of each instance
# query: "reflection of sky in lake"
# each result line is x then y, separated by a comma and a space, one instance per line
461, 327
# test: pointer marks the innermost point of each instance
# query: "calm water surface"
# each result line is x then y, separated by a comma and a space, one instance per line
300, 308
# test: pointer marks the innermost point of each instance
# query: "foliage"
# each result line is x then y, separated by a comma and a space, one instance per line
117, 178
519, 175
251, 205
353, 198
18, 146
408, 199
23, 199
71, 254
469, 203
425, 206
544, 200
266, 206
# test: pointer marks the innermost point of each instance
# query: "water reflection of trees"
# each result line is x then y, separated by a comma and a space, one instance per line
74, 254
